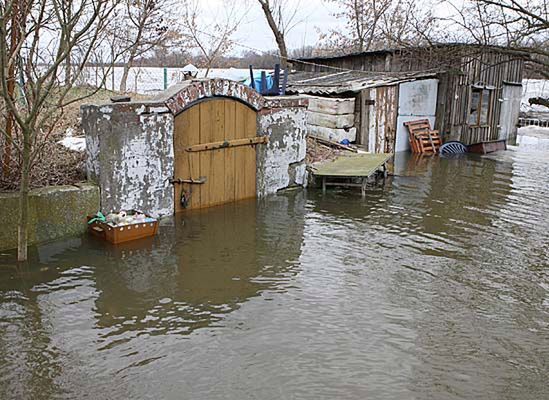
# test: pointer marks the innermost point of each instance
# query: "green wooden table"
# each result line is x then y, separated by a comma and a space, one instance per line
359, 166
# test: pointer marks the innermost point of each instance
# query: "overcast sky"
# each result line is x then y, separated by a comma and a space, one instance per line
312, 14
255, 32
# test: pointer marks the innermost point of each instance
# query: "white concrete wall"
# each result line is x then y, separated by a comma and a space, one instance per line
281, 162
130, 155
416, 100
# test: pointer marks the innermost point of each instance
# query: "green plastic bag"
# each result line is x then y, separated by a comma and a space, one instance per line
99, 217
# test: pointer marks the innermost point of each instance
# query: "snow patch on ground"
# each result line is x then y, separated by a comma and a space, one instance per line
534, 131
533, 138
74, 143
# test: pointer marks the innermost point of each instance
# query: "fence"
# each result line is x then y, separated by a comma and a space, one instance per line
541, 121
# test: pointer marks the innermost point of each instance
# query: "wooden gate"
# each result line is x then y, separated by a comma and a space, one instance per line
215, 154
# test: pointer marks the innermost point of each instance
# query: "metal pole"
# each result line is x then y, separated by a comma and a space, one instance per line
165, 78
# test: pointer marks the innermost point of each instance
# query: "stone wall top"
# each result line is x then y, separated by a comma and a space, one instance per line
286, 102
188, 93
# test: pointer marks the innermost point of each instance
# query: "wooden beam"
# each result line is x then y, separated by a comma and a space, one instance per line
229, 143
332, 143
364, 103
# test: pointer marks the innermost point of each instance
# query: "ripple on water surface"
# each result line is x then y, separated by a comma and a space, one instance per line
433, 286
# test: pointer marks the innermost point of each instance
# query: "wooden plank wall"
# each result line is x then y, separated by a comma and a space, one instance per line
486, 69
382, 118
362, 117
466, 66
375, 62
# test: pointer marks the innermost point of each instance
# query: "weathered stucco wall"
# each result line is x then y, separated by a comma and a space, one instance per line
281, 162
54, 212
130, 149
130, 155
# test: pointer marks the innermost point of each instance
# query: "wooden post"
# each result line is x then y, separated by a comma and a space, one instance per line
363, 112
252, 77
263, 89
275, 90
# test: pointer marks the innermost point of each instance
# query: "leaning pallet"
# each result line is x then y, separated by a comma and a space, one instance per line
422, 138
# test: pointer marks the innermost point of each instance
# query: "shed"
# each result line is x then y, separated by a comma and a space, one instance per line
479, 87
199, 144
368, 108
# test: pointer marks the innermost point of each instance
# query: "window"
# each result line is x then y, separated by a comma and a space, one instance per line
479, 111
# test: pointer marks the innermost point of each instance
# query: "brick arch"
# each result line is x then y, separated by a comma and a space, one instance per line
193, 91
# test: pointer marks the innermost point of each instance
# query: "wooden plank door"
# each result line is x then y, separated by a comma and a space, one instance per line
509, 114
230, 172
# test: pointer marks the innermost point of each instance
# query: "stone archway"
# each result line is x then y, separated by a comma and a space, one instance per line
191, 92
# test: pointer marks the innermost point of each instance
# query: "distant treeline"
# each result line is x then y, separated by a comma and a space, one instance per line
178, 59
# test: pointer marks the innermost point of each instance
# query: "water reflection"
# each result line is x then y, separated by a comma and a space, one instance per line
435, 285
200, 267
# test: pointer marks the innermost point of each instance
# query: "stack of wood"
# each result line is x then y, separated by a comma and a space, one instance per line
422, 138
331, 118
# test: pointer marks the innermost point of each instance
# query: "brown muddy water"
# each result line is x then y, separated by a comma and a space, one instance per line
436, 286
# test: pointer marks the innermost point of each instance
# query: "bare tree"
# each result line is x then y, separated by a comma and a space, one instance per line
362, 19
144, 25
45, 39
521, 25
407, 23
214, 41
16, 16
281, 17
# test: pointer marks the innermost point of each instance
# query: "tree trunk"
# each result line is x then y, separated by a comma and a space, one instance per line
68, 71
22, 238
279, 36
124, 79
283, 51
11, 92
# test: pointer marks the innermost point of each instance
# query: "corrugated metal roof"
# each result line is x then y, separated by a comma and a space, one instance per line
347, 81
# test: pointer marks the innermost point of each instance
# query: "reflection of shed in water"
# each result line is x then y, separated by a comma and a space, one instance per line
203, 266
426, 188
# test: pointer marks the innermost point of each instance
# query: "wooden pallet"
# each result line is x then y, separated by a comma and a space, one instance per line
422, 138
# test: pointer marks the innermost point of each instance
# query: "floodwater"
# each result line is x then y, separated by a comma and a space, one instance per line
435, 286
